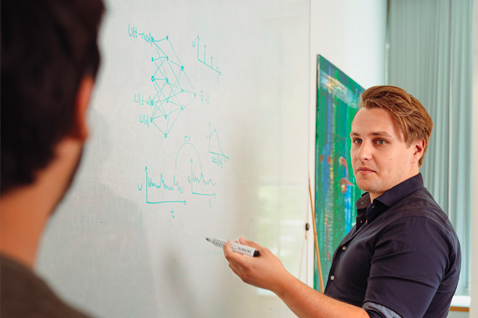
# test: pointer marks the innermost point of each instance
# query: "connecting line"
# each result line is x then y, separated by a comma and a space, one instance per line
158, 67
157, 109
169, 125
159, 116
164, 115
159, 58
176, 64
191, 85
159, 128
219, 154
160, 202
174, 51
166, 38
189, 92
165, 79
205, 194
168, 100
159, 91
219, 73
175, 104
173, 93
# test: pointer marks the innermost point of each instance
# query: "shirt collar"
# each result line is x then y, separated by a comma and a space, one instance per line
401, 190
388, 198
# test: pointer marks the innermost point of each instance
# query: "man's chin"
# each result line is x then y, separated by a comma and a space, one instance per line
366, 185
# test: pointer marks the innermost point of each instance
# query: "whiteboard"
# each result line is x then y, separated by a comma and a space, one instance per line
199, 128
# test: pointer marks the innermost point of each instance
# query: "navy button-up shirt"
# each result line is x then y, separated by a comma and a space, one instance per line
401, 259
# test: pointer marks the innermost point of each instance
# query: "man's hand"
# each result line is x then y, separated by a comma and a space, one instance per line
265, 271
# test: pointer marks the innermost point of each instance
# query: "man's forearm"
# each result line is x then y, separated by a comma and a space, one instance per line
306, 302
266, 271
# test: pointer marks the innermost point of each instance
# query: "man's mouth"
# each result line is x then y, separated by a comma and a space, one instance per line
365, 170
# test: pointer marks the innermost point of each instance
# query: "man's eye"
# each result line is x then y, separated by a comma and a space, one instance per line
357, 141
381, 142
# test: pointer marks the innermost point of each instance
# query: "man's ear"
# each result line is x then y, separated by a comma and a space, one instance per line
419, 146
81, 105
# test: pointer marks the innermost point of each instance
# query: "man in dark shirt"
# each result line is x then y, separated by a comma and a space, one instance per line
402, 258
49, 59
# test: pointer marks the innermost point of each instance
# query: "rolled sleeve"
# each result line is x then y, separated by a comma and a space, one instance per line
378, 311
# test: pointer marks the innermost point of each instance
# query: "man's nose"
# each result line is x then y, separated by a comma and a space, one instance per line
365, 151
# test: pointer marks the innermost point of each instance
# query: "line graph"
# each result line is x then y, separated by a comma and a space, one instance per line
215, 149
180, 184
202, 58
162, 185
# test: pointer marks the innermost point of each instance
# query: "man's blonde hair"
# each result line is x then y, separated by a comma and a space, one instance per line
412, 117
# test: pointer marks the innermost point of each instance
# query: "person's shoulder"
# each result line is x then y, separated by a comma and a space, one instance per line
24, 294
419, 207
421, 203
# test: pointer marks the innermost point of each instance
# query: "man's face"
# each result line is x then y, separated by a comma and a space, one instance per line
380, 156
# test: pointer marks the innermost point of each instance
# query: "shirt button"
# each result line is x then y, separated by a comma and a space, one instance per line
332, 277
344, 248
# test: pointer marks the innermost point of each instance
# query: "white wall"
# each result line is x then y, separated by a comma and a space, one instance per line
351, 35
474, 212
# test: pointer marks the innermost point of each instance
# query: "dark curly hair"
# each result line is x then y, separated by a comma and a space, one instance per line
47, 47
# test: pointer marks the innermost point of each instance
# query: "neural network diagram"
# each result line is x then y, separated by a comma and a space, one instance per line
173, 91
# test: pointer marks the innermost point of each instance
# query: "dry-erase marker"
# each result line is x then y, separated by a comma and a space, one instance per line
236, 247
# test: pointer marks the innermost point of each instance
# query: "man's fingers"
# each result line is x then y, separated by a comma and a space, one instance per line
230, 255
243, 241
227, 248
